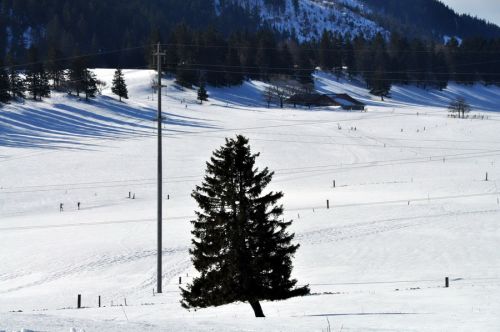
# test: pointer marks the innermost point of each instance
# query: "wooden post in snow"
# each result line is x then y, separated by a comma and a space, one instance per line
79, 301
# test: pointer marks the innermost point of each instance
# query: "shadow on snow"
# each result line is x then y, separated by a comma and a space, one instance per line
72, 125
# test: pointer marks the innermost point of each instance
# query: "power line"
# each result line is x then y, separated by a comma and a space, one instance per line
87, 55
365, 49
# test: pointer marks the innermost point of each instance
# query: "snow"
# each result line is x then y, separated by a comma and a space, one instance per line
410, 207
314, 16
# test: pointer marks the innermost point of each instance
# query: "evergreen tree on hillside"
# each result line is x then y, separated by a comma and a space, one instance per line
233, 72
55, 67
376, 76
17, 87
4, 85
16, 82
266, 55
213, 57
36, 76
348, 57
248, 55
440, 70
89, 84
326, 58
336, 54
241, 247
399, 59
76, 75
303, 73
119, 86
202, 93
285, 63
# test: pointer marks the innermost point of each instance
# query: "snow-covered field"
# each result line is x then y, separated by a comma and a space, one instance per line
410, 207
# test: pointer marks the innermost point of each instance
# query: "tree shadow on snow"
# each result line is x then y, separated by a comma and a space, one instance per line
74, 125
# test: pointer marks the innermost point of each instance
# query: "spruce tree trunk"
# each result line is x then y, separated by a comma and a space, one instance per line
257, 309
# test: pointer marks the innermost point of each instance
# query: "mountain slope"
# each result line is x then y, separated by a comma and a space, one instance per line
428, 17
309, 18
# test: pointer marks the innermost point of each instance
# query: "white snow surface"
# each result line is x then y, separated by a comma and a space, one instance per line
315, 16
410, 207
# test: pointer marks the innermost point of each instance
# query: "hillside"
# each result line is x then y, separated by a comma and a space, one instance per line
410, 207
429, 18
83, 26
306, 20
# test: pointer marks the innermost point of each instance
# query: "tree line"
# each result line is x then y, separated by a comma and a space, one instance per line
207, 56
196, 56
36, 79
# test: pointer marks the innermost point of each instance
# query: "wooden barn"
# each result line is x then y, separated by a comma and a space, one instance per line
342, 100
311, 100
346, 102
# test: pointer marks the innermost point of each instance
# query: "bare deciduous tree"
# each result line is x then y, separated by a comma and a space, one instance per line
460, 107
281, 88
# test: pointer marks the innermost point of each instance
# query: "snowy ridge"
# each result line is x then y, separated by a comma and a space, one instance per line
313, 17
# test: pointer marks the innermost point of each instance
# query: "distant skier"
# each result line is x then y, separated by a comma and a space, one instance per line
61, 207
78, 204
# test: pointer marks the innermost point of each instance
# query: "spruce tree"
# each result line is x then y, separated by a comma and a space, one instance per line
119, 87
89, 84
16, 82
233, 72
55, 67
4, 85
377, 78
305, 69
36, 76
76, 75
241, 247
326, 58
202, 93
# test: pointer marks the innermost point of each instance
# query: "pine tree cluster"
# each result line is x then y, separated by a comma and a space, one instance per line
38, 77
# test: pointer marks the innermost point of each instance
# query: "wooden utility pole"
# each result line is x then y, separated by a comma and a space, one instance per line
159, 56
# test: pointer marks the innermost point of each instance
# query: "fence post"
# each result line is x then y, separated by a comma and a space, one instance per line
327, 203
486, 176
446, 282
333, 183
99, 301
180, 280
79, 301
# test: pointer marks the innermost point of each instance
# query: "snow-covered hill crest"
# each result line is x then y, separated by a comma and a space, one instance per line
307, 19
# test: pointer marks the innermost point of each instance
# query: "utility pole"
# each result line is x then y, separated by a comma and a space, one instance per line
159, 56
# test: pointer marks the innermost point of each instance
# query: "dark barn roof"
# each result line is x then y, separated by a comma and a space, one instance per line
347, 102
311, 99
316, 99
